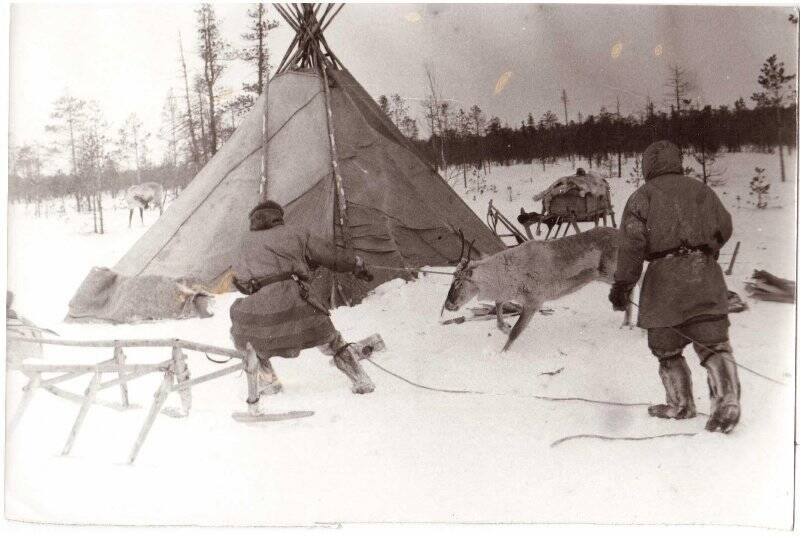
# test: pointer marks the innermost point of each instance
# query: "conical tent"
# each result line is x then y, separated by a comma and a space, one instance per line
319, 145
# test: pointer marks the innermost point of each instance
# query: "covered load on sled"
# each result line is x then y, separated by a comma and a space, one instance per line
583, 197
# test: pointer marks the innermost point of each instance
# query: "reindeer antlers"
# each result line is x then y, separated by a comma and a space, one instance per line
464, 261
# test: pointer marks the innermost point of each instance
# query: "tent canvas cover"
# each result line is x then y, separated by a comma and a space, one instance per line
319, 145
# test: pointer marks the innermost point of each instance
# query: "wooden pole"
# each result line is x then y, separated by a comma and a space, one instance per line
729, 270
75, 398
158, 401
69, 376
119, 357
207, 377
110, 368
182, 375
91, 391
30, 390
132, 376
184, 344
264, 142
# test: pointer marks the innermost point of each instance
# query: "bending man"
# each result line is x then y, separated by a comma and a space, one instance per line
281, 317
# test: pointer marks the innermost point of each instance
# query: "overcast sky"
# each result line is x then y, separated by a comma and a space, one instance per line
125, 56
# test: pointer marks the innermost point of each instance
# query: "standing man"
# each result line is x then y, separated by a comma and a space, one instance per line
280, 316
678, 225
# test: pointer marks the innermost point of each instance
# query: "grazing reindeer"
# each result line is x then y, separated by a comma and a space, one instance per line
533, 273
141, 196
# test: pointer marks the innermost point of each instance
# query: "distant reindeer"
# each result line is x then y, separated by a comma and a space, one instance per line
141, 196
533, 273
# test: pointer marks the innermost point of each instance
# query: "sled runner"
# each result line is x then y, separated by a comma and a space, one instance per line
246, 417
486, 312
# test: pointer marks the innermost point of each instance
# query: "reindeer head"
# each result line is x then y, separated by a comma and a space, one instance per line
463, 287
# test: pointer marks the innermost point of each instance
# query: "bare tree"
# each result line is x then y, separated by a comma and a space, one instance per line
433, 113
68, 116
93, 157
132, 140
477, 120
189, 117
565, 100
170, 128
212, 49
201, 113
679, 86
27, 162
397, 111
257, 53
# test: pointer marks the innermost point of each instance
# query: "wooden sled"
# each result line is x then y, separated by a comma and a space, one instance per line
486, 312
766, 286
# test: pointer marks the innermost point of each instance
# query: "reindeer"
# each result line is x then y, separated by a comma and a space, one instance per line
533, 273
141, 196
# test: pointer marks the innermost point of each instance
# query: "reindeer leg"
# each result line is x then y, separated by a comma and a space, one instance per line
528, 309
501, 323
130, 217
141, 215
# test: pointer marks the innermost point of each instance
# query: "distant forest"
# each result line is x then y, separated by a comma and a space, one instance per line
91, 157
602, 140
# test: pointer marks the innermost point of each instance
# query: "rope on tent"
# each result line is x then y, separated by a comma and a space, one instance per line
221, 180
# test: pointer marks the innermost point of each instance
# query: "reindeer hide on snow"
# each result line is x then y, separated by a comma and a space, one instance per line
107, 296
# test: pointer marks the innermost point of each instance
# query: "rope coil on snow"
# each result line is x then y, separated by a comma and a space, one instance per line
629, 438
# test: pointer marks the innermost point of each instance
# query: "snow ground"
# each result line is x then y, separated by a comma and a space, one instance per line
402, 453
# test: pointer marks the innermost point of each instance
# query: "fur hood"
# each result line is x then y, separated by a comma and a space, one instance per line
661, 158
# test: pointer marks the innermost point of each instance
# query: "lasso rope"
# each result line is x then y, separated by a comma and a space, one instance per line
602, 437
477, 392
712, 351
543, 398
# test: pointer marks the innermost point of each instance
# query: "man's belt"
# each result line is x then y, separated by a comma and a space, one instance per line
680, 251
254, 285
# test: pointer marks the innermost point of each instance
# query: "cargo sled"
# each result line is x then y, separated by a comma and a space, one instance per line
583, 197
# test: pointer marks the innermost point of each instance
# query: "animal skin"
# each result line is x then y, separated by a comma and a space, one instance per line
535, 272
141, 196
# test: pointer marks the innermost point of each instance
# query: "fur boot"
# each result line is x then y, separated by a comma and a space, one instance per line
724, 388
268, 382
677, 380
346, 360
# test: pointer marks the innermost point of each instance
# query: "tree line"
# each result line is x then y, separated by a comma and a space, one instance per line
92, 157
199, 115
466, 138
